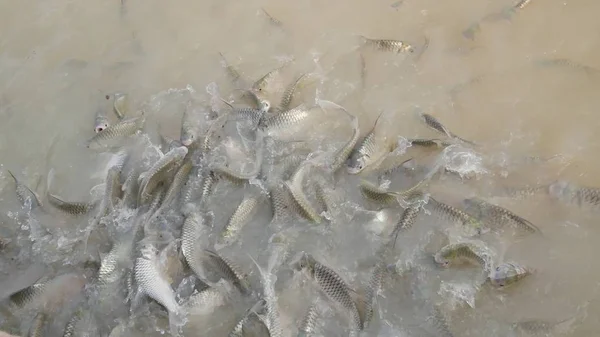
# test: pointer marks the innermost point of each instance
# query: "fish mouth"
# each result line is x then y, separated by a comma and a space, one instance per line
353, 170
186, 142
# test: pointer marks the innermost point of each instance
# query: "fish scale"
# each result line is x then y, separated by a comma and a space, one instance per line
38, 325
395, 46
309, 321
27, 295
508, 273
455, 216
116, 133
150, 179
229, 271
285, 119
240, 217
289, 92
581, 196
193, 230
498, 217
334, 288
24, 193
69, 207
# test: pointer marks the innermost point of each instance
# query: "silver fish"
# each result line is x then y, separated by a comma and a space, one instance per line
24, 193
101, 120
394, 46
38, 325
167, 143
435, 124
240, 217
120, 105
27, 295
332, 286
341, 156
371, 292
193, 240
407, 220
577, 195
497, 217
228, 271
157, 173
370, 151
325, 195
464, 252
508, 273
471, 225
151, 282
438, 143
309, 321
190, 127
112, 191
522, 4
206, 300
115, 134
69, 207
180, 177
238, 329
285, 119
295, 188
268, 280
289, 92
262, 83
69, 330
282, 203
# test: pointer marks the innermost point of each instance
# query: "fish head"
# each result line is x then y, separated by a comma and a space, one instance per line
443, 260
356, 163
100, 127
188, 137
560, 189
264, 105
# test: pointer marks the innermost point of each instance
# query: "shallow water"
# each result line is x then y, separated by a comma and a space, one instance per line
58, 60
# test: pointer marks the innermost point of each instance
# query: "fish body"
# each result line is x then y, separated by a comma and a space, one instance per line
120, 105
190, 127
69, 207
285, 119
152, 283
273, 322
469, 224
289, 92
38, 325
464, 252
309, 321
228, 271
193, 234
437, 143
497, 217
115, 134
206, 301
24, 193
179, 179
28, 295
407, 220
581, 196
370, 151
296, 190
436, 125
341, 156
332, 285
240, 217
149, 180
508, 273
394, 46
371, 292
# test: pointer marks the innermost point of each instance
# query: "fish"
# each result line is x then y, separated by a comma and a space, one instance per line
179, 179
439, 322
120, 104
438, 143
70, 207
101, 120
237, 330
370, 151
295, 188
290, 90
228, 271
268, 280
325, 195
285, 119
112, 191
115, 134
522, 4
25, 195
272, 19
27, 295
468, 223
241, 177
309, 321
497, 217
151, 282
69, 330
261, 84
332, 285
464, 252
232, 72
407, 220
240, 217
378, 194
371, 291
582, 196
436, 125
341, 155
190, 127
157, 173
208, 184
281, 202
207, 300
394, 46
193, 240
38, 325
508, 273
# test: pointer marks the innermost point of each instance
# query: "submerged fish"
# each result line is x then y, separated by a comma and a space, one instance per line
464, 252
577, 195
435, 124
268, 280
508, 273
394, 46
38, 325
115, 134
469, 224
370, 151
289, 92
497, 217
272, 19
228, 271
332, 286
309, 321
240, 217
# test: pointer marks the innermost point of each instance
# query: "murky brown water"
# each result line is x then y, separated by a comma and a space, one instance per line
59, 58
